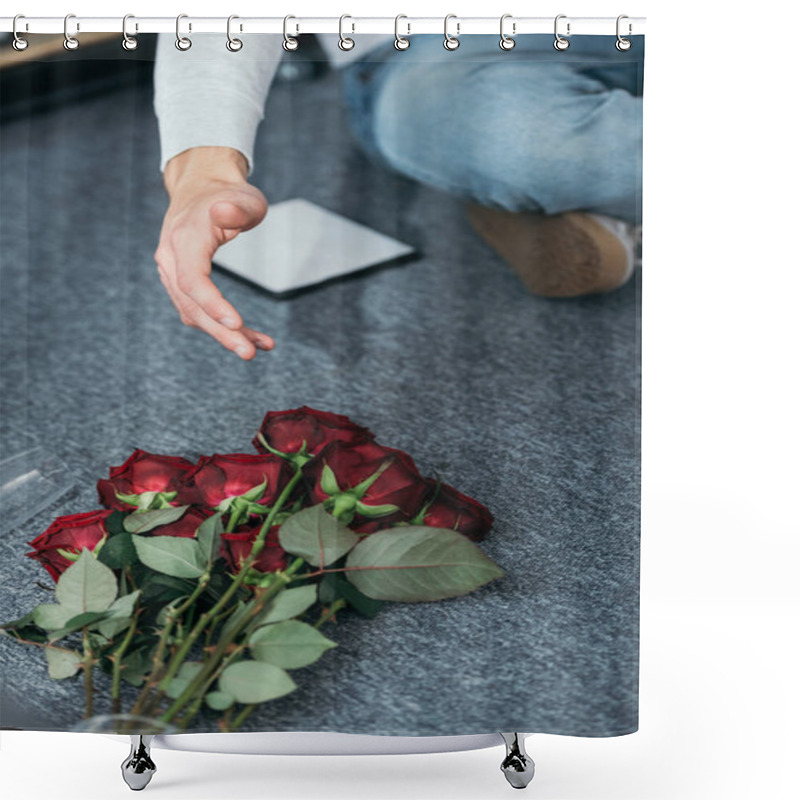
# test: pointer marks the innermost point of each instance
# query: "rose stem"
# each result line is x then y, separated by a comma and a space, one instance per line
88, 685
248, 709
282, 579
158, 658
242, 716
258, 546
117, 661
330, 612
41, 644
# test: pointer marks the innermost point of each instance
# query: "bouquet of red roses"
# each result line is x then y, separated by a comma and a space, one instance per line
204, 583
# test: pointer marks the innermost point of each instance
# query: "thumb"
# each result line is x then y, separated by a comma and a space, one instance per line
241, 214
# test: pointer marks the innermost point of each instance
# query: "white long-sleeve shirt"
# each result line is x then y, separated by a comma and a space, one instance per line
208, 96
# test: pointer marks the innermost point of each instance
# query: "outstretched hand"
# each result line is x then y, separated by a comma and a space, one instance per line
210, 203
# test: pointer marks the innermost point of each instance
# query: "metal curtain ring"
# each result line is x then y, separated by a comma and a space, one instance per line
234, 45
623, 44
70, 42
182, 42
400, 42
507, 42
290, 44
128, 42
560, 43
345, 43
19, 43
451, 42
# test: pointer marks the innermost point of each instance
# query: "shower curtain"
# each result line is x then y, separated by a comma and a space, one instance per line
418, 512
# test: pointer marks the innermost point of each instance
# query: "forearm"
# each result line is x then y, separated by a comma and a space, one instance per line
209, 97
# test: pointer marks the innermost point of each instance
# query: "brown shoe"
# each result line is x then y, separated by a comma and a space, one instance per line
562, 255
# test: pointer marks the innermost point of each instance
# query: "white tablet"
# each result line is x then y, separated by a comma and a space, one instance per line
300, 244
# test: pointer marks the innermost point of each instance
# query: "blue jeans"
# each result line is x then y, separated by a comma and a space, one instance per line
532, 129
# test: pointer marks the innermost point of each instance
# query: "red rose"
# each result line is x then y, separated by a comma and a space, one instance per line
186, 526
219, 477
143, 472
399, 484
73, 533
236, 548
452, 509
286, 431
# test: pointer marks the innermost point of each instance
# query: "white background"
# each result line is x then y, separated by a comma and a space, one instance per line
719, 682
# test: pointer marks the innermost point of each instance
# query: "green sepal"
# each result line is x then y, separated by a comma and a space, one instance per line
361, 489
375, 511
328, 482
148, 501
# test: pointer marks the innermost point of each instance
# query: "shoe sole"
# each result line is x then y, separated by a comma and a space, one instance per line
562, 255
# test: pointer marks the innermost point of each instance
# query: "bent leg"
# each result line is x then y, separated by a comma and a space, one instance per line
522, 135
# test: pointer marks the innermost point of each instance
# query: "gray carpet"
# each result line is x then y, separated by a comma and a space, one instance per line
529, 405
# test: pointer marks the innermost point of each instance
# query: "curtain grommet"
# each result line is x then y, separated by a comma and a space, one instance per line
290, 44
129, 43
451, 42
560, 42
345, 42
234, 45
622, 44
401, 42
183, 43
18, 43
507, 42
70, 42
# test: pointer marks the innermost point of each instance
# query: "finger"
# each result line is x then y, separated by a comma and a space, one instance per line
260, 340
193, 316
240, 215
192, 268
235, 341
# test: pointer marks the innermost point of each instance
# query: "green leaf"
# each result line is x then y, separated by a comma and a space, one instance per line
137, 664
219, 701
418, 564
336, 586
114, 522
76, 623
87, 585
62, 663
24, 628
316, 536
51, 616
289, 603
242, 610
289, 644
159, 589
119, 615
142, 521
255, 682
172, 555
208, 537
186, 674
118, 551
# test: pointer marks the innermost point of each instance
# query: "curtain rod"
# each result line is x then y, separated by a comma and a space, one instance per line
567, 26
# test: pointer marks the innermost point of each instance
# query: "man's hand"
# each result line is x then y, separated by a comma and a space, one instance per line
210, 203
